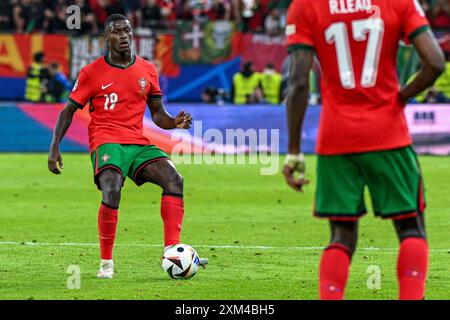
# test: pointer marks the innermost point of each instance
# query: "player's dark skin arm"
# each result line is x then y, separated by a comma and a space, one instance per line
296, 104
162, 119
62, 125
433, 65
297, 96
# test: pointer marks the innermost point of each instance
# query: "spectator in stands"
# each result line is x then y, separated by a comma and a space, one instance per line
103, 8
159, 14
218, 10
281, 5
133, 9
425, 4
58, 17
271, 85
32, 15
88, 19
184, 10
441, 14
250, 14
151, 14
6, 21
37, 79
58, 86
274, 23
247, 86
168, 11
193, 10
197, 8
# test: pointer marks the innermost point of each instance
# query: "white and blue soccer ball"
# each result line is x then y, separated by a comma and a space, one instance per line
180, 261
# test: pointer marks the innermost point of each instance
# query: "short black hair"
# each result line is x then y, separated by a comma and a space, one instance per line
39, 57
113, 18
54, 65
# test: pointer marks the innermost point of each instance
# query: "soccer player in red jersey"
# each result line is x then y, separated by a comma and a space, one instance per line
363, 137
118, 87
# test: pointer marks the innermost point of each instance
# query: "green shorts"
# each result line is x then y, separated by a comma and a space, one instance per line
393, 178
127, 159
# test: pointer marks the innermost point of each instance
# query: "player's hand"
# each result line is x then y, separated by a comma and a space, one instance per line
295, 164
183, 120
55, 160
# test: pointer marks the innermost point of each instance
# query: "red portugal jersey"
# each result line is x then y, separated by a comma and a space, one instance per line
118, 98
356, 42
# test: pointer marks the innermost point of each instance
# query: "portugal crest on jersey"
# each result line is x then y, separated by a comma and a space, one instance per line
143, 84
105, 157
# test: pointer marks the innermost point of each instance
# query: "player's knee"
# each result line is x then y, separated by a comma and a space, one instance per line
347, 244
111, 194
175, 184
345, 234
411, 233
410, 227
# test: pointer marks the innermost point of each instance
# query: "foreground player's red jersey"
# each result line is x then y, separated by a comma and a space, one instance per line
356, 42
118, 98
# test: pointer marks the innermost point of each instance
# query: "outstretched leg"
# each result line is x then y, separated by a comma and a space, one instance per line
164, 174
110, 182
336, 258
412, 261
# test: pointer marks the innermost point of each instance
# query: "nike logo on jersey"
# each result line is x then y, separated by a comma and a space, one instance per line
108, 85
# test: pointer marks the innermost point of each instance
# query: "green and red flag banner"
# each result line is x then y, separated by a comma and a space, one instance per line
203, 43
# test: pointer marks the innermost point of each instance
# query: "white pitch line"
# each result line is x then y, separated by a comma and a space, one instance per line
76, 244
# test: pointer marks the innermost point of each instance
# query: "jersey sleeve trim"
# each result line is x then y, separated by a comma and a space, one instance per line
76, 104
154, 97
418, 31
300, 46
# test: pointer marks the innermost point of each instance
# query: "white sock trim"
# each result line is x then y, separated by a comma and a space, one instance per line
105, 261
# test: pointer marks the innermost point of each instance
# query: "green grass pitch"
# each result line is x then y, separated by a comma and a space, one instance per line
230, 211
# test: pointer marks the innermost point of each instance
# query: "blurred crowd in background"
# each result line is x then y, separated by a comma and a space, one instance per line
252, 16
24, 16
268, 16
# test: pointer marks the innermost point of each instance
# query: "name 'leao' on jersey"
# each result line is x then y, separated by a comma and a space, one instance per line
117, 98
356, 42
